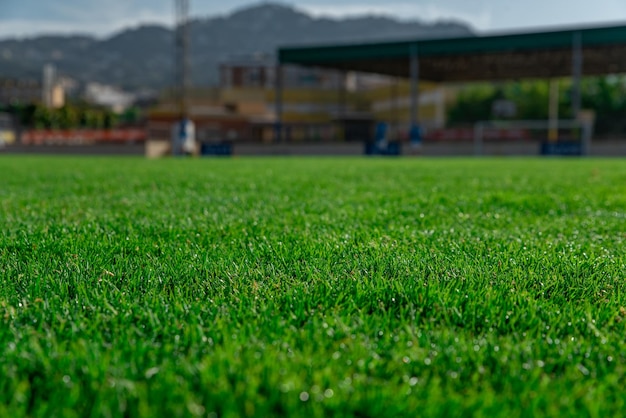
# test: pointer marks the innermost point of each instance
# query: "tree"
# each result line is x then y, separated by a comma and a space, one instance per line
473, 104
67, 117
42, 118
605, 95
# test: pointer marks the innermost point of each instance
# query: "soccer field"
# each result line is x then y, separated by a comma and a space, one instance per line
312, 287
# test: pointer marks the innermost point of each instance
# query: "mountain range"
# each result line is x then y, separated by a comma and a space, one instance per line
143, 57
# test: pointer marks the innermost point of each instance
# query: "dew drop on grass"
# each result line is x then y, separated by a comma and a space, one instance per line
151, 372
304, 396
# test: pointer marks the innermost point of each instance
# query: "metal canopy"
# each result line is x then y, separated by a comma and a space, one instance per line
481, 58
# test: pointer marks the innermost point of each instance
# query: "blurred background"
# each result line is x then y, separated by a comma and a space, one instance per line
117, 76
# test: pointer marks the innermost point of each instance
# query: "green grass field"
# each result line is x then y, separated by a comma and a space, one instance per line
312, 287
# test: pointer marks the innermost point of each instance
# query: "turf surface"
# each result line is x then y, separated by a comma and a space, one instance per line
312, 287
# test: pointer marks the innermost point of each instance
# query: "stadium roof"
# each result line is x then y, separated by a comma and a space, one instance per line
479, 58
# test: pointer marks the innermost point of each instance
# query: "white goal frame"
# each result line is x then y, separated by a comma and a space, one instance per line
586, 130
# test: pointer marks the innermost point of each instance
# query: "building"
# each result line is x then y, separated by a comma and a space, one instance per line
315, 100
50, 91
108, 96
317, 106
13, 91
7, 130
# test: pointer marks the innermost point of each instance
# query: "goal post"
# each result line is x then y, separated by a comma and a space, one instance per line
552, 137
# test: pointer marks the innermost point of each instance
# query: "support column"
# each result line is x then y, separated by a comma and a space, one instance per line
478, 139
394, 120
415, 135
278, 104
341, 94
577, 72
342, 104
553, 111
414, 85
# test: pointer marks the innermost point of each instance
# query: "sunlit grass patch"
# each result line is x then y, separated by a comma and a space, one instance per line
312, 287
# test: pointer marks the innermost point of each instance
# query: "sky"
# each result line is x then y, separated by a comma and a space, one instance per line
24, 18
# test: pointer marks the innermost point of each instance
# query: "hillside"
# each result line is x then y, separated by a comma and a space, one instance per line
142, 57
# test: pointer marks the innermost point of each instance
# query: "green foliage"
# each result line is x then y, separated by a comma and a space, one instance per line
312, 287
473, 105
24, 114
91, 118
531, 98
131, 116
109, 120
43, 118
606, 96
70, 116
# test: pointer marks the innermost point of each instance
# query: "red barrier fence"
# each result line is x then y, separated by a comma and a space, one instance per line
83, 136
122, 136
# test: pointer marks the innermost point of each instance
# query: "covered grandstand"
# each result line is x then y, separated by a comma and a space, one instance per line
575, 52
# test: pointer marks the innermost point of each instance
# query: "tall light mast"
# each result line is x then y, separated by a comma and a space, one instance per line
182, 57
184, 136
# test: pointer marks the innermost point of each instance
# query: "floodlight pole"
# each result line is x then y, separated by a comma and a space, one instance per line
183, 67
183, 134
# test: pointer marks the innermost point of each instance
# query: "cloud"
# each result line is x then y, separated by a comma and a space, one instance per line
101, 27
19, 28
20, 18
480, 19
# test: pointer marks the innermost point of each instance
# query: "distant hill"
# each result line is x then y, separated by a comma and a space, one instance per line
143, 57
